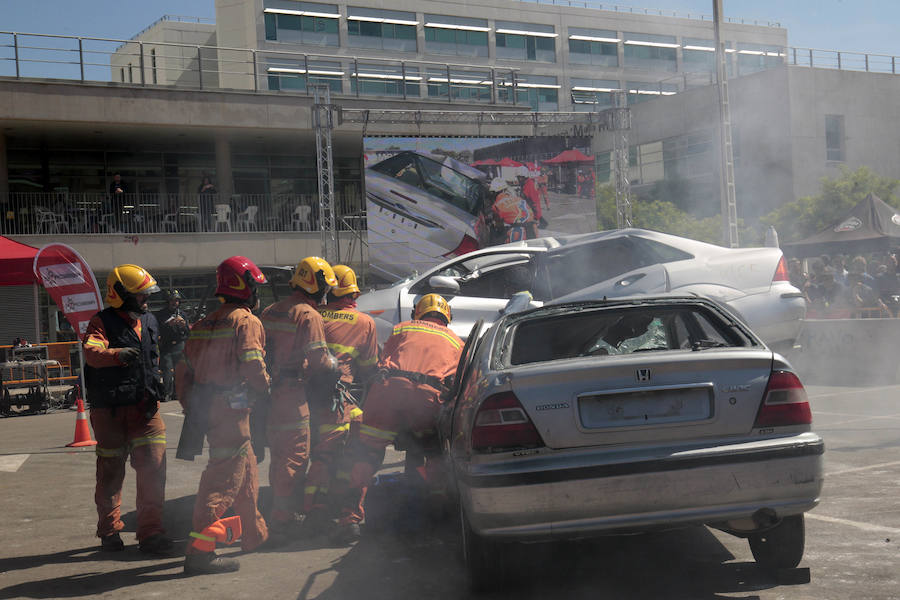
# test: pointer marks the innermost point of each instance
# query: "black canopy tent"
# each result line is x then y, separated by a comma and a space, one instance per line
870, 226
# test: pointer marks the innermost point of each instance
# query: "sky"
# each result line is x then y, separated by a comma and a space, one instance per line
847, 25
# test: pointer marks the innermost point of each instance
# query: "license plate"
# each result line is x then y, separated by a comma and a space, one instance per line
650, 407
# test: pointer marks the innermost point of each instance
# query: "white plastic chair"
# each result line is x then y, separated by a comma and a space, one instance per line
300, 218
246, 220
54, 222
223, 216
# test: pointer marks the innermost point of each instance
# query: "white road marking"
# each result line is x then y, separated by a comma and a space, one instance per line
857, 524
857, 469
174, 414
12, 462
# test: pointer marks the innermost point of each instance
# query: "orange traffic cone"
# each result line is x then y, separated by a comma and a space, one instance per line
82, 430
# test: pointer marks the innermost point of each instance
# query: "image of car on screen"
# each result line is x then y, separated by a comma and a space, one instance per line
752, 282
621, 416
422, 209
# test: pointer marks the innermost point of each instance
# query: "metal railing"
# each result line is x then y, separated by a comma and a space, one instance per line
145, 63
657, 12
99, 213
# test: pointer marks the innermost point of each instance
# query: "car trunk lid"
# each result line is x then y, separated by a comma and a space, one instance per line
667, 396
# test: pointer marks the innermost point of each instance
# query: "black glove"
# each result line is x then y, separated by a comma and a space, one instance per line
128, 355
543, 223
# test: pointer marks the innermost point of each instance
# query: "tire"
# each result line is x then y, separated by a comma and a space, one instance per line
485, 565
782, 546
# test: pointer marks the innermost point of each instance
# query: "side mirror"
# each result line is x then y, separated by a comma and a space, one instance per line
443, 284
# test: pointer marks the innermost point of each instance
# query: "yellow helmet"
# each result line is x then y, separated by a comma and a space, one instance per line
432, 303
346, 279
313, 275
124, 282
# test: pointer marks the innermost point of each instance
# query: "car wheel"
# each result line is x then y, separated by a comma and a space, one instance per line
782, 546
483, 560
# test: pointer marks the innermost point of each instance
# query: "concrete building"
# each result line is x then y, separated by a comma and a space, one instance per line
231, 102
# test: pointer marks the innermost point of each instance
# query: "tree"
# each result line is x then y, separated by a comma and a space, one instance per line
810, 214
658, 215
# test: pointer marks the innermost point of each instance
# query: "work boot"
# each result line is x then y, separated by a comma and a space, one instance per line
156, 544
209, 564
316, 523
346, 534
112, 543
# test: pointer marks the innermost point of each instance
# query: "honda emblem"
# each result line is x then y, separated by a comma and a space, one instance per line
643, 374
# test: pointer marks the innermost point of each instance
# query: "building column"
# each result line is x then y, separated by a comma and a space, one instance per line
4, 171
224, 179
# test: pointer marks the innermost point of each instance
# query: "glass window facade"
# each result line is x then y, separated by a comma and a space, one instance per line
381, 29
301, 22
638, 91
593, 47
589, 95
540, 92
698, 55
294, 77
386, 80
754, 57
468, 85
525, 41
651, 52
458, 36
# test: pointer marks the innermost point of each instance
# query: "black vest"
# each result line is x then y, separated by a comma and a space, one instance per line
127, 384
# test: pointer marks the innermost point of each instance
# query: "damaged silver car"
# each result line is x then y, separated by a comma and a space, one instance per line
598, 417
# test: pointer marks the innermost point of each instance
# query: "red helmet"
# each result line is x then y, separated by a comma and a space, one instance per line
237, 277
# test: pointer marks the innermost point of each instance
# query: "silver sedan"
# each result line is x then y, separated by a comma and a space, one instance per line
596, 417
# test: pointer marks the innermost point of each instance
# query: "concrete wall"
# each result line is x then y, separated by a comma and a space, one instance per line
176, 64
868, 102
191, 251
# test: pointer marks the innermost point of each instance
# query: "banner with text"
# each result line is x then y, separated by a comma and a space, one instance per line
70, 282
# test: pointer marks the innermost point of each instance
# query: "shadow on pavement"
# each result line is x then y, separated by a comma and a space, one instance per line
685, 564
89, 584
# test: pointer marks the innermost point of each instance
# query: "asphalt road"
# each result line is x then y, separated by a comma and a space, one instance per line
47, 548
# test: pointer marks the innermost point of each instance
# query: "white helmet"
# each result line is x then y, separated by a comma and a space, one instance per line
497, 184
522, 171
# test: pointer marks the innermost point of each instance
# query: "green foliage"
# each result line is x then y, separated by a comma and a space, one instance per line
810, 214
658, 215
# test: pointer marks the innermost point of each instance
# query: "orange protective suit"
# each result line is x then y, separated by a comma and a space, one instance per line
122, 431
352, 340
297, 348
515, 215
225, 350
397, 404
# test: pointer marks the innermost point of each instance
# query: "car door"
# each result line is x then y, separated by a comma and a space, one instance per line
483, 285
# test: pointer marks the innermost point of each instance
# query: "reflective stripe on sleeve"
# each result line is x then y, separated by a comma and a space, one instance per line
342, 349
211, 334
326, 429
251, 355
92, 341
378, 434
315, 345
355, 412
200, 536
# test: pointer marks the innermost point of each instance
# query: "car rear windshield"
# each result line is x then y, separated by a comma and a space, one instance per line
612, 332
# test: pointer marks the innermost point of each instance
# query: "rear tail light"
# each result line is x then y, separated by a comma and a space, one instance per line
468, 244
781, 271
784, 403
501, 424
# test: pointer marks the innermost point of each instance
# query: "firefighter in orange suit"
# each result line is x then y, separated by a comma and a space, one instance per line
298, 354
352, 340
124, 386
417, 362
222, 374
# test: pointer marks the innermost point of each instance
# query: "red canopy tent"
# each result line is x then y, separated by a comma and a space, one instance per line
508, 162
487, 162
15, 262
569, 156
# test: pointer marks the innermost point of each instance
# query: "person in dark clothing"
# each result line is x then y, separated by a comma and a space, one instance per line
173, 332
117, 191
208, 195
